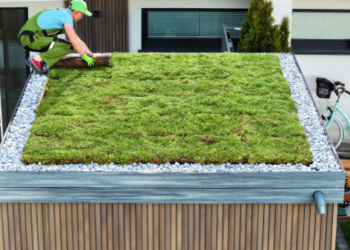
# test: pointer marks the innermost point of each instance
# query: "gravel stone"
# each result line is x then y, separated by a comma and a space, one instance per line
323, 156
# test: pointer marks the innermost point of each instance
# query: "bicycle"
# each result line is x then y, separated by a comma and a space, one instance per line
333, 124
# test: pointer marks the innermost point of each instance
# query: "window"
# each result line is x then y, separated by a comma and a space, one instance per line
187, 30
321, 31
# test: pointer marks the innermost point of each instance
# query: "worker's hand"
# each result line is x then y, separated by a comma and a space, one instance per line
90, 62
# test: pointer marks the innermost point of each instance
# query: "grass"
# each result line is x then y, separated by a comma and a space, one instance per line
204, 108
345, 226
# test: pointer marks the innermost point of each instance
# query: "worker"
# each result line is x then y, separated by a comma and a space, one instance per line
39, 34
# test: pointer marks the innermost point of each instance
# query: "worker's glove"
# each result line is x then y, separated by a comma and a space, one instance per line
92, 56
90, 62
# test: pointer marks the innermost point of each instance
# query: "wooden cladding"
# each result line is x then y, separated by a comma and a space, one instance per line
78, 226
109, 32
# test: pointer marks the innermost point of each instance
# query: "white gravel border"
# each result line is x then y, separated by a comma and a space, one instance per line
323, 160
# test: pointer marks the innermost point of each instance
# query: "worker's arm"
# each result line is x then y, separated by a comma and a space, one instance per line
85, 48
73, 38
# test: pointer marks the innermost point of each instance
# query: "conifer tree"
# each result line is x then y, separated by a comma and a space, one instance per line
284, 35
259, 32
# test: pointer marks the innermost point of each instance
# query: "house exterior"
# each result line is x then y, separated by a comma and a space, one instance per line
110, 211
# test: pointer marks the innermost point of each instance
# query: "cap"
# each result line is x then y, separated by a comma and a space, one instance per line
79, 5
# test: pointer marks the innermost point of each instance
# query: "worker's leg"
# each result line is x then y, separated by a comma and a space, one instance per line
56, 51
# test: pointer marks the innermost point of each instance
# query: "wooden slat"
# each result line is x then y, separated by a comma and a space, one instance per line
75, 229
334, 225
277, 229
173, 226
306, 226
28, 228
242, 240
104, 226
301, 213
116, 227
162, 227
11, 225
156, 226
323, 232
220, 218
178, 227
150, 226
312, 226
86, 226
127, 226
295, 227
81, 232
121, 226
214, 225
260, 226
70, 227
289, 226
283, 226
17, 217
34, 226
64, 225
139, 226
266, 226
92, 226
255, 226
5, 224
225, 232
202, 208
46, 225
191, 226
208, 226
249, 226
317, 230
144, 226
133, 235
110, 226
237, 225
1, 228
272, 226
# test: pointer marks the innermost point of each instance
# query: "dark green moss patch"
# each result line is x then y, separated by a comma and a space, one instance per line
204, 108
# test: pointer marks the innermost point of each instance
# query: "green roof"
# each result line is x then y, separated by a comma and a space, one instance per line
194, 108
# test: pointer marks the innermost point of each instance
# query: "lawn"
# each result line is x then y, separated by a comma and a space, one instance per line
194, 108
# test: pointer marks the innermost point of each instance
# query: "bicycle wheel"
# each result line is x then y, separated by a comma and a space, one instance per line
335, 132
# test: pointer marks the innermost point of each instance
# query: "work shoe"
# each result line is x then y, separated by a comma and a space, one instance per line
44, 67
35, 65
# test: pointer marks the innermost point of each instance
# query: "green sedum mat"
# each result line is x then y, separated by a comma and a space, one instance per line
194, 108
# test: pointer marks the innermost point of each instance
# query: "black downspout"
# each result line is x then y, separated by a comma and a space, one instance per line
6, 68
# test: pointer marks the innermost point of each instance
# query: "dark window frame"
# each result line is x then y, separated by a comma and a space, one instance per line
146, 42
339, 46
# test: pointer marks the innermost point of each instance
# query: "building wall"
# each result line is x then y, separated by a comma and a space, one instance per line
321, 4
166, 226
281, 8
332, 67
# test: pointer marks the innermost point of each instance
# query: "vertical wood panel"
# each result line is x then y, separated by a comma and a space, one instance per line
184, 228
86, 226
283, 226
115, 227
92, 226
289, 226
40, 226
317, 230
220, 215
202, 208
272, 226
260, 226
162, 228
81, 232
306, 226
334, 225
58, 227
34, 226
167, 226
178, 226
11, 225
295, 227
132, 226
69, 226
144, 227
127, 226
191, 226
17, 227
29, 227
214, 225
248, 239
46, 219
150, 226
121, 226
301, 213
208, 227
323, 232
312, 227
75, 226
5, 224
266, 226
277, 230
156, 226
255, 227
104, 226
2, 228
63, 226
139, 225
237, 225
243, 226
226, 219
